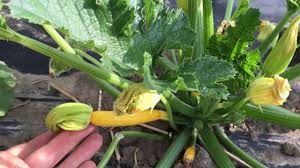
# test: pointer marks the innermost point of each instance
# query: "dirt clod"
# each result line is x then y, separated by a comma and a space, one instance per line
291, 148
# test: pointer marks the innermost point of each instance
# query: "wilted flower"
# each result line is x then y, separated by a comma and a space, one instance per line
69, 116
266, 91
265, 29
225, 24
283, 52
136, 98
189, 155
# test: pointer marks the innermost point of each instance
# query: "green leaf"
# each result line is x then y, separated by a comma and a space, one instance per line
7, 84
123, 17
206, 75
153, 83
83, 21
234, 46
109, 26
293, 5
170, 30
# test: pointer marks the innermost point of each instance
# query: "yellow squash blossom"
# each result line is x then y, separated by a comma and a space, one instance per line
69, 116
267, 91
189, 155
136, 98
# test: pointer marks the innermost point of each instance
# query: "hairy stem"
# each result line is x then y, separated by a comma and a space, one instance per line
208, 21
175, 149
229, 9
214, 148
67, 58
58, 39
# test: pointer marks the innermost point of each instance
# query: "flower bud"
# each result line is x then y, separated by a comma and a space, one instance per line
267, 91
283, 52
189, 155
265, 29
69, 116
136, 98
183, 4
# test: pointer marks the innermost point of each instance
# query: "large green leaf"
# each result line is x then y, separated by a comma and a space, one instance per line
206, 75
83, 20
7, 83
234, 46
171, 29
109, 24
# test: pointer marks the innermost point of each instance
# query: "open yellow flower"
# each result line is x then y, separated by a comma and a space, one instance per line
266, 91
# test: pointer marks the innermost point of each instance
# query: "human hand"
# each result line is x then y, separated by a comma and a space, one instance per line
47, 149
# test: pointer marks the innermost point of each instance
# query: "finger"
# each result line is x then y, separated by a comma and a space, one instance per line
88, 164
8, 160
25, 149
84, 151
50, 154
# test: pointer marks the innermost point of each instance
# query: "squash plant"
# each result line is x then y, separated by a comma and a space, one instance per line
203, 75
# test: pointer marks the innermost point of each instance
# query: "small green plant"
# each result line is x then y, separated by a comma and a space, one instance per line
201, 77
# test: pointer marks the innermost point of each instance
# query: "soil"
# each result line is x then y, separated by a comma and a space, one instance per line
273, 145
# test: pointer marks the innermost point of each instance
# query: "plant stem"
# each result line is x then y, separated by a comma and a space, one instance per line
200, 30
124, 134
174, 58
69, 59
214, 148
235, 149
292, 72
192, 12
167, 63
273, 114
208, 21
88, 57
108, 88
109, 152
169, 112
175, 149
267, 42
102, 73
64, 45
196, 17
177, 104
229, 9
58, 39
